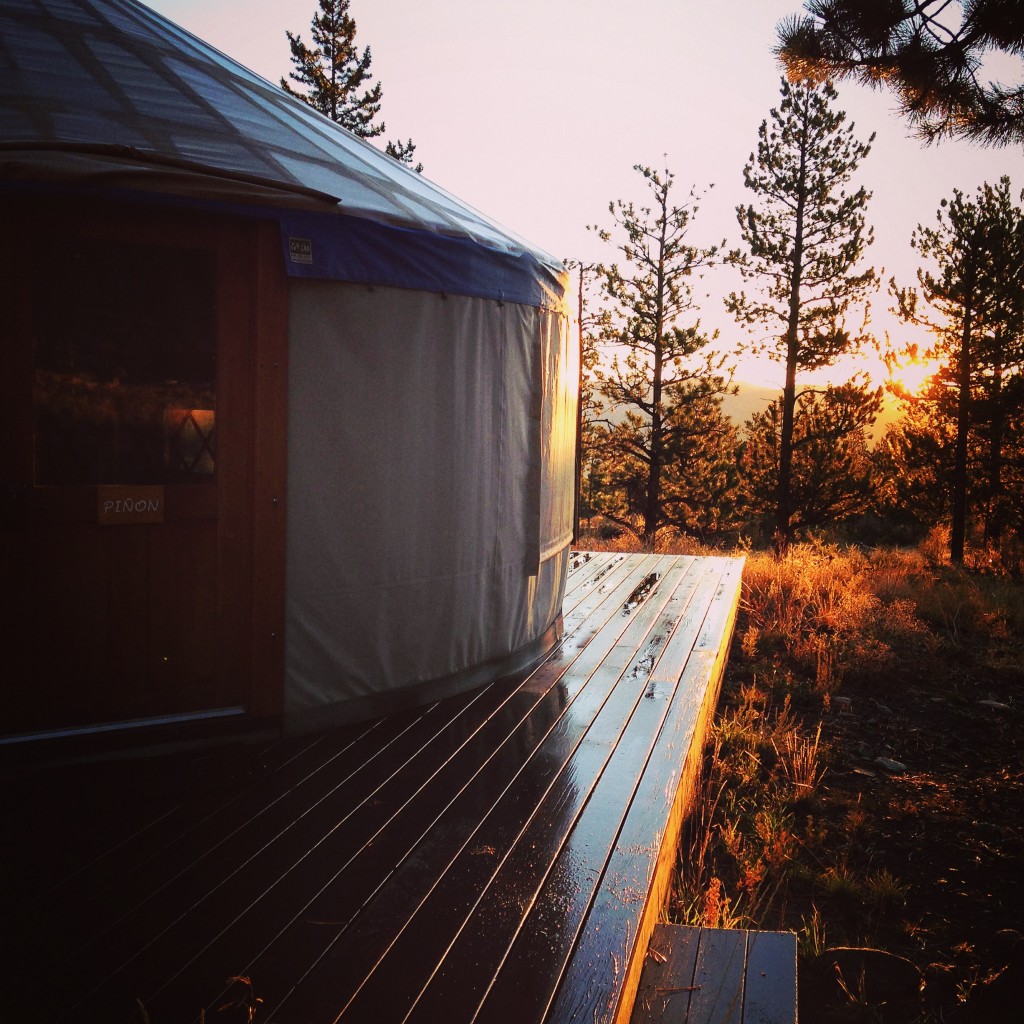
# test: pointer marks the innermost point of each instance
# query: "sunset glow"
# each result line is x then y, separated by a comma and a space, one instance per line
913, 375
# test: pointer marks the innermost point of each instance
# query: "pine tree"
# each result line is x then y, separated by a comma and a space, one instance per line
914, 466
972, 284
591, 323
335, 78
804, 235
700, 489
831, 477
333, 71
929, 52
404, 153
662, 387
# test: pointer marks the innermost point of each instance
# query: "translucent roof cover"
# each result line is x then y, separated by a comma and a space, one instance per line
113, 77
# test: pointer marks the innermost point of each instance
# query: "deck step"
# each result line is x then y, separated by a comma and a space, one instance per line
717, 976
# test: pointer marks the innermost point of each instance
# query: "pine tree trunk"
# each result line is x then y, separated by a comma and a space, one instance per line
994, 519
652, 506
958, 530
652, 510
784, 513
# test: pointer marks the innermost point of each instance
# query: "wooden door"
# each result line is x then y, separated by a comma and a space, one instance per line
126, 510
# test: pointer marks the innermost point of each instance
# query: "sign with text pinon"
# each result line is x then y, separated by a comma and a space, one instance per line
122, 504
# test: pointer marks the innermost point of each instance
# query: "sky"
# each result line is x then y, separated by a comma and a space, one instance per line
536, 111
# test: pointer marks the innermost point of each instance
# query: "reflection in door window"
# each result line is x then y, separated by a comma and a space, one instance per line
189, 436
125, 364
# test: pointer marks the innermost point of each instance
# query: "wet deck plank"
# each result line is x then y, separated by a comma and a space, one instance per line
498, 856
718, 976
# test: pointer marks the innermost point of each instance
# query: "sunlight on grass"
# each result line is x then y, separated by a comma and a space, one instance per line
773, 842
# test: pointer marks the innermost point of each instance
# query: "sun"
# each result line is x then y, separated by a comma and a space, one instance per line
913, 375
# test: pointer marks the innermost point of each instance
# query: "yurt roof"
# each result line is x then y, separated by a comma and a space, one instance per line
109, 92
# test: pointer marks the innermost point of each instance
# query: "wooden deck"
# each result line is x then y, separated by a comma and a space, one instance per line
498, 856
717, 976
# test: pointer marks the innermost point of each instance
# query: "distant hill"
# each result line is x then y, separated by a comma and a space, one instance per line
750, 399
754, 398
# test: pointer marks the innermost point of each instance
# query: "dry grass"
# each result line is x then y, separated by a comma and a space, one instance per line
600, 535
741, 845
772, 845
826, 611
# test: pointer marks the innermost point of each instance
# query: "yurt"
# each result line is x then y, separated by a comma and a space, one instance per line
288, 430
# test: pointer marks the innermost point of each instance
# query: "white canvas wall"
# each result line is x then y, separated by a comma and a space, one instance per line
430, 491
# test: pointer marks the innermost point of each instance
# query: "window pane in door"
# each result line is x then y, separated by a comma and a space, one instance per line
125, 364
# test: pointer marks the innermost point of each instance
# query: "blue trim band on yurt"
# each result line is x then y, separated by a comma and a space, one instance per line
365, 252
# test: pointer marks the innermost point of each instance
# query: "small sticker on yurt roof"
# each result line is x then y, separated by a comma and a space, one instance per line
300, 250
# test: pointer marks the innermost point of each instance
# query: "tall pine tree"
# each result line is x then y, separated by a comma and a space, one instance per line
332, 72
335, 77
591, 322
664, 439
972, 284
805, 235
